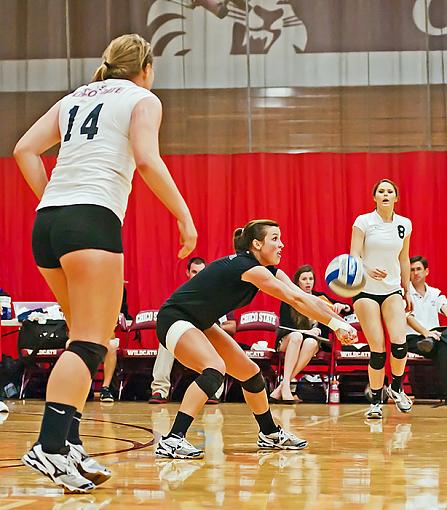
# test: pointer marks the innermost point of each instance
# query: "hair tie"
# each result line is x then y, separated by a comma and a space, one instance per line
242, 231
107, 64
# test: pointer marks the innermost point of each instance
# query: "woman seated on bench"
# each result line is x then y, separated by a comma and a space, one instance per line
299, 348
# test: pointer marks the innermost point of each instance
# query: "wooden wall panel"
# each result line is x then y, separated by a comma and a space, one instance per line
286, 119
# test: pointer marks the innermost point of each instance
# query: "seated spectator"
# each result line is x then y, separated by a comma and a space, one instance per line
428, 303
165, 360
298, 347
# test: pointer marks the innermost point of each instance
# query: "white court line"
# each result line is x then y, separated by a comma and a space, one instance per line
16, 503
331, 418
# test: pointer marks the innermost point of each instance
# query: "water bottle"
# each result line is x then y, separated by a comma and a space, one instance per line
5, 303
334, 392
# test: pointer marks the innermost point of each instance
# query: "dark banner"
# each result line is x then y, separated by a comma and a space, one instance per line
37, 28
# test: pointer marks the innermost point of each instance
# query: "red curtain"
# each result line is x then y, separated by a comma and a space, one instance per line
315, 198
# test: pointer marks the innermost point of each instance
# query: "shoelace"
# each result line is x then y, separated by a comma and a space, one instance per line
187, 444
405, 398
71, 465
283, 436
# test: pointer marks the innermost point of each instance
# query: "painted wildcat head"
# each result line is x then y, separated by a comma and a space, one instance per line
172, 22
266, 21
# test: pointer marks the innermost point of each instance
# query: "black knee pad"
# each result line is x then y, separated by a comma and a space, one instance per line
209, 381
92, 354
399, 351
255, 384
377, 360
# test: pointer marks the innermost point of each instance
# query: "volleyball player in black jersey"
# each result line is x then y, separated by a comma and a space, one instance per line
186, 326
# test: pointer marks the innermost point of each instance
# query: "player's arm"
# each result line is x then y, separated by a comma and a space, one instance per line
40, 137
144, 127
357, 242
304, 303
404, 262
283, 277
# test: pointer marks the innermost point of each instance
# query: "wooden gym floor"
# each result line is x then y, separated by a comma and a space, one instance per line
398, 464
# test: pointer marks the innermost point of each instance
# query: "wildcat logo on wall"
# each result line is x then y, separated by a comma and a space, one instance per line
246, 26
205, 43
213, 38
236, 43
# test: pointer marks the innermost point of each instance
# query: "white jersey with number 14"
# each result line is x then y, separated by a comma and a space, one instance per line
95, 164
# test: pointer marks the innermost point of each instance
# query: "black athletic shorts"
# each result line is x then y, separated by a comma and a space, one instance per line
378, 298
166, 317
63, 229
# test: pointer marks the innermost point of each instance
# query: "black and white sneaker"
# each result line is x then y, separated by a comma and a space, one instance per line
401, 399
105, 395
88, 466
374, 412
177, 447
282, 440
59, 468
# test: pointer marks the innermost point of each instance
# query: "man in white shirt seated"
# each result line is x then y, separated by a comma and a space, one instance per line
422, 335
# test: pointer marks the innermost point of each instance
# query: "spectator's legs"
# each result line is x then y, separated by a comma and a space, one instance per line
308, 349
291, 345
162, 373
109, 364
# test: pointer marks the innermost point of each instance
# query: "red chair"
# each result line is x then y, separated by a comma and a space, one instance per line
255, 323
42, 363
140, 361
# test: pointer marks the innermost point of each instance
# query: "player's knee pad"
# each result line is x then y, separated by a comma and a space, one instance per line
209, 381
377, 360
255, 384
399, 351
91, 353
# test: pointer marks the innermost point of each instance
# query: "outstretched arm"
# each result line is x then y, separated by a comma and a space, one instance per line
283, 289
144, 126
40, 137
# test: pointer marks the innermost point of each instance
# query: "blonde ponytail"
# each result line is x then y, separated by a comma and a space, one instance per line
124, 58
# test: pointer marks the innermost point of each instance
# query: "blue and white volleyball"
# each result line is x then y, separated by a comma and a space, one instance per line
345, 275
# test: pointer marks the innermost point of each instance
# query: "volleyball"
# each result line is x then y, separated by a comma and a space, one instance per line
345, 275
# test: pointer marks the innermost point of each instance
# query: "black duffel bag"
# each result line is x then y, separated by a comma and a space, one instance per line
51, 335
311, 391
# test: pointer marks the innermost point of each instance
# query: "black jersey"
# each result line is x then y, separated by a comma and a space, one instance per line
216, 290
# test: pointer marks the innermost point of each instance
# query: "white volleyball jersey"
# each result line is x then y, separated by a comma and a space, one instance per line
382, 246
95, 164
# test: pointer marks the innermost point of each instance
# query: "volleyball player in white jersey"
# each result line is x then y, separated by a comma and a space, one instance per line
382, 239
106, 129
